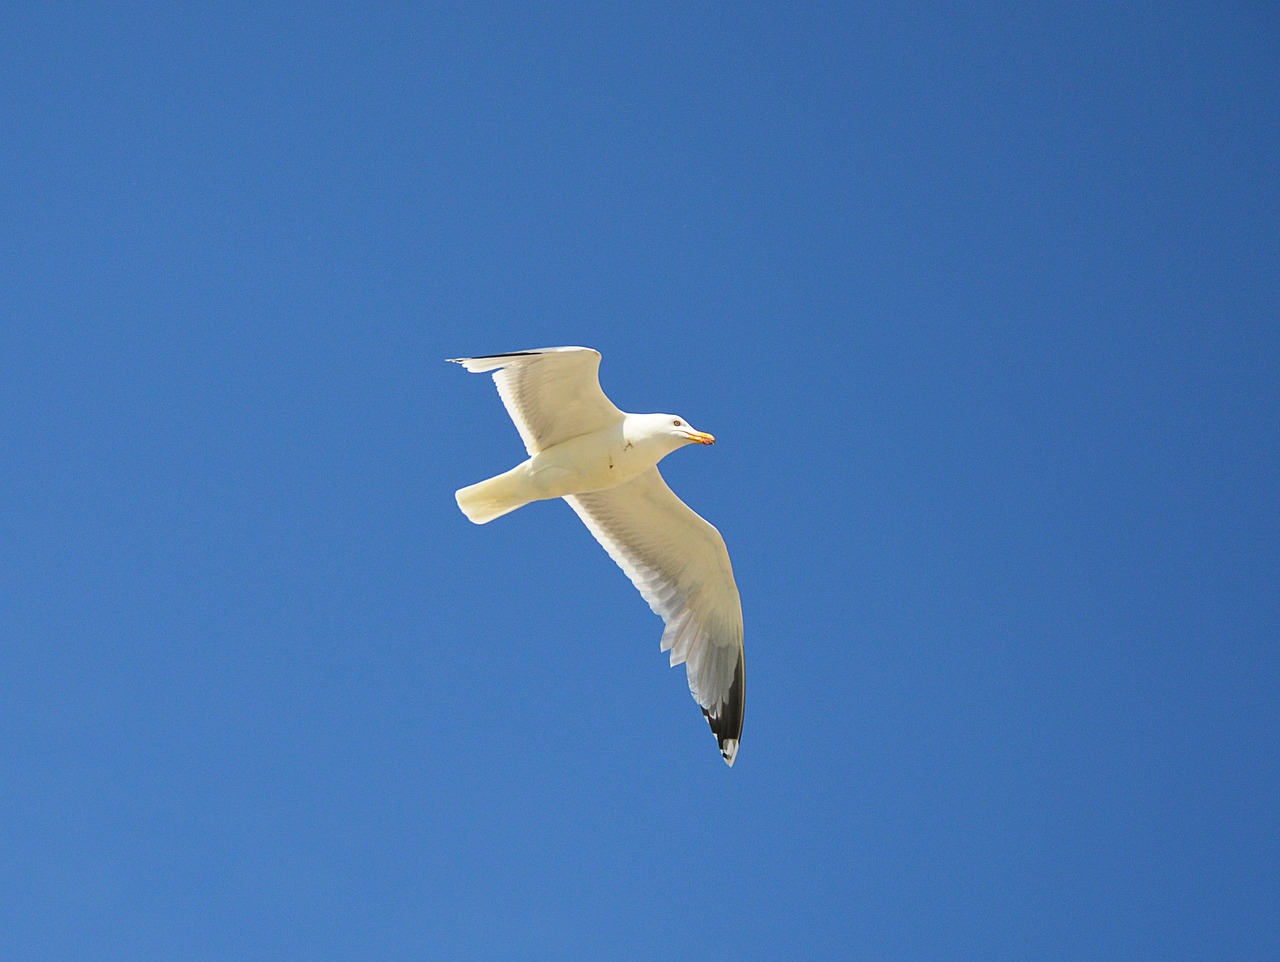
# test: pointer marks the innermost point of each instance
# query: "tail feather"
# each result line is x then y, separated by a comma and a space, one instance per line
486, 500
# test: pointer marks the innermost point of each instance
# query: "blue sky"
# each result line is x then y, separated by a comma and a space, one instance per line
982, 306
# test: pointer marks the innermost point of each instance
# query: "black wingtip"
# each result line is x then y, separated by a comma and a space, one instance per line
726, 719
493, 357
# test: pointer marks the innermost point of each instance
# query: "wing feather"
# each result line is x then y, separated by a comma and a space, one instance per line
552, 394
679, 563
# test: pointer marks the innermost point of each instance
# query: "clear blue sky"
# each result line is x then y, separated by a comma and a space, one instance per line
983, 304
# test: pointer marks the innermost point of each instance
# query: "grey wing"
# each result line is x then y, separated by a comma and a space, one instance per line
552, 394
680, 564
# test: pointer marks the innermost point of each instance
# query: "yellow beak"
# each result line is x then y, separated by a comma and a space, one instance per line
701, 437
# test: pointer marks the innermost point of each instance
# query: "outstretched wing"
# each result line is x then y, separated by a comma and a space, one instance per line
552, 394
679, 563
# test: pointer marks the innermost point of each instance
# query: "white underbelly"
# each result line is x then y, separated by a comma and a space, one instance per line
592, 462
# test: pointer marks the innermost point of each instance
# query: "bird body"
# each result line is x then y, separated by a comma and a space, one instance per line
603, 462
605, 458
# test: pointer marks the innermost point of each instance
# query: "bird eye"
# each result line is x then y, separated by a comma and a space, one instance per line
678, 423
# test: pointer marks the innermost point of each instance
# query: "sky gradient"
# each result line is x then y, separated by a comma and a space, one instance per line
982, 307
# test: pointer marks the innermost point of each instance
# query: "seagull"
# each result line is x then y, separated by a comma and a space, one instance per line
604, 462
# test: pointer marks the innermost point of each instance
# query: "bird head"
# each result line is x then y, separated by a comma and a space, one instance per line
666, 432
679, 428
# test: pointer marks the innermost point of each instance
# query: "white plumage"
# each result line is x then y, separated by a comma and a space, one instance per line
603, 461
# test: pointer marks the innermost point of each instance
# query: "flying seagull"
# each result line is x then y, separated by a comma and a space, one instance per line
604, 462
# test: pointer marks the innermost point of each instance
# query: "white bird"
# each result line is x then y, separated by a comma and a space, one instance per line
603, 461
